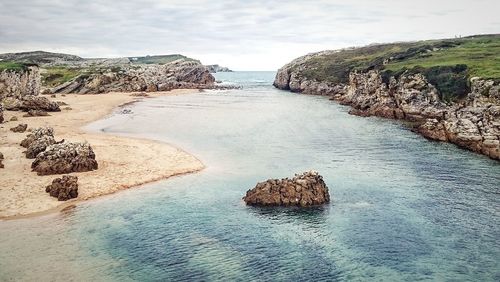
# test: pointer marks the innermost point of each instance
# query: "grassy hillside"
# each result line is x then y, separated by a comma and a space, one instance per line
447, 63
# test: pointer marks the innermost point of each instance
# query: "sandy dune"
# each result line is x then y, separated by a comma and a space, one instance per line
123, 162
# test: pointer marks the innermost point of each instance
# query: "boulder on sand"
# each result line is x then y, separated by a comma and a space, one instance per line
38, 103
307, 189
19, 128
65, 158
64, 188
39, 145
36, 134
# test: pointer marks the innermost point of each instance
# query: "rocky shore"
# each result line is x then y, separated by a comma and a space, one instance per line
472, 122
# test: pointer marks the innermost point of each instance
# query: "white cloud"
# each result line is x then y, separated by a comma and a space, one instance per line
240, 34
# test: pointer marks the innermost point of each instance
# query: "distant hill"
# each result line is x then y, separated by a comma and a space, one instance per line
38, 57
159, 59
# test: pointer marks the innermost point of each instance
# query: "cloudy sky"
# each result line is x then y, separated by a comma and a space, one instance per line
240, 34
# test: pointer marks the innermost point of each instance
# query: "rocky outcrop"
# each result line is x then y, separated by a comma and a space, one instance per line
20, 128
472, 123
149, 78
217, 68
20, 83
30, 103
39, 145
36, 134
303, 190
65, 158
63, 188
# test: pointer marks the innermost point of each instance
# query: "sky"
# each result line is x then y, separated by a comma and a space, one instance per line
239, 34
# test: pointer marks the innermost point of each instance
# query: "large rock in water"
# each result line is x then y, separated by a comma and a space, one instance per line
307, 189
65, 158
64, 188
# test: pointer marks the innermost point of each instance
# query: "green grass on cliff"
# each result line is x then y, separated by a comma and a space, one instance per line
448, 63
58, 75
12, 66
480, 55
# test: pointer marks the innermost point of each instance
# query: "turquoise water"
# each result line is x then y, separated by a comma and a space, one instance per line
403, 208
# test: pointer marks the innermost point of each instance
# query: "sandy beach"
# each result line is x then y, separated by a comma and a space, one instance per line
123, 162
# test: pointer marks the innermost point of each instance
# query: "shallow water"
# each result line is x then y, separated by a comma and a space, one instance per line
404, 208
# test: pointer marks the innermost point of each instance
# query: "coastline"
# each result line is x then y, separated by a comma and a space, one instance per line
124, 162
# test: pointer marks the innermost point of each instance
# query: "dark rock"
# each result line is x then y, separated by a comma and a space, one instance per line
1, 113
20, 128
307, 189
36, 113
65, 158
64, 188
14, 118
39, 103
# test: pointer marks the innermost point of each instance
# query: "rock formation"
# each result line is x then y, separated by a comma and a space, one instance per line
20, 83
472, 122
64, 188
39, 145
65, 158
217, 68
37, 133
1, 160
19, 128
149, 78
303, 190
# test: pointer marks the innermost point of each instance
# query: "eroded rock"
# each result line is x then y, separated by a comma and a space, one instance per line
20, 128
36, 134
307, 189
63, 188
65, 158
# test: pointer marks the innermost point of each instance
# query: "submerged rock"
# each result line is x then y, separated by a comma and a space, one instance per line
307, 189
19, 128
65, 158
64, 188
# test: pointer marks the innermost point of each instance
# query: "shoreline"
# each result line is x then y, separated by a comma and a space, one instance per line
119, 157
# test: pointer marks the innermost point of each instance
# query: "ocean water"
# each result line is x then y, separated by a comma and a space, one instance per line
403, 207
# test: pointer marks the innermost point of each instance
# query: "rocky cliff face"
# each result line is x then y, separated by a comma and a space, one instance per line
472, 123
176, 74
217, 68
17, 84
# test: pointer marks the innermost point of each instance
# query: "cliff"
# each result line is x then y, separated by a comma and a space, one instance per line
455, 100
63, 73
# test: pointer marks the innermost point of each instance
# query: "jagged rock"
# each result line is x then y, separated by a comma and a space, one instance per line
65, 158
36, 134
38, 103
39, 145
472, 122
64, 188
36, 113
303, 190
19, 128
20, 83
11, 103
